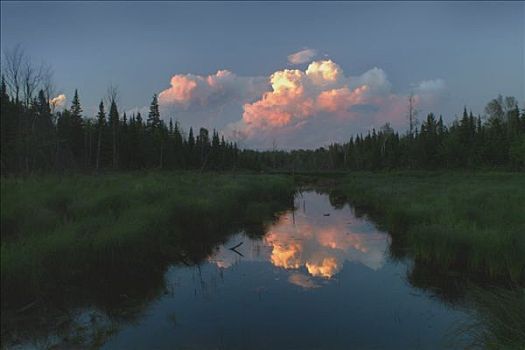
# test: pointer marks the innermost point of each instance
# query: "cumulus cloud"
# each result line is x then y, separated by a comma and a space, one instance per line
205, 100
296, 96
302, 56
191, 91
58, 101
320, 105
292, 108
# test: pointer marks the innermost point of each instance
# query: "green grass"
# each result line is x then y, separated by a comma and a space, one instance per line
473, 221
59, 232
499, 316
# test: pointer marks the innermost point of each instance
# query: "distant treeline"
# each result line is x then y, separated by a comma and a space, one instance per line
470, 142
36, 139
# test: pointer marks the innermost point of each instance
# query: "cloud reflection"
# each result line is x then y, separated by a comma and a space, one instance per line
314, 242
302, 281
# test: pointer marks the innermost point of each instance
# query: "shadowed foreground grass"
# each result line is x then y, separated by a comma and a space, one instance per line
467, 226
58, 232
500, 319
473, 221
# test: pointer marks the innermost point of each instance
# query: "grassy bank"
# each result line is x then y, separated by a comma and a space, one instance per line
59, 232
464, 220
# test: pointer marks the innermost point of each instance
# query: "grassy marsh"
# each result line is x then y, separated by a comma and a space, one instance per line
468, 220
58, 231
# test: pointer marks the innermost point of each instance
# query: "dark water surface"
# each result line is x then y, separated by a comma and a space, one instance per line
320, 278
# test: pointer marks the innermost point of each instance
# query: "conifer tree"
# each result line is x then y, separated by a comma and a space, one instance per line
153, 121
76, 128
100, 127
114, 125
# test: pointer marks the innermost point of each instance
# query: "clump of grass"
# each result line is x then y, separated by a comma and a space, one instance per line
473, 220
498, 319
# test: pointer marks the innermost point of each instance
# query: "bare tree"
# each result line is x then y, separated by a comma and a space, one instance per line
31, 78
412, 115
12, 69
23, 77
274, 151
387, 132
46, 80
111, 98
111, 95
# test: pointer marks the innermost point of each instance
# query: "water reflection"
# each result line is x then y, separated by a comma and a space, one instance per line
318, 240
320, 277
317, 277
302, 281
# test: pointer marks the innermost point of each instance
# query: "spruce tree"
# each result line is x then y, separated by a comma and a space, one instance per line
114, 125
191, 139
100, 126
76, 134
153, 121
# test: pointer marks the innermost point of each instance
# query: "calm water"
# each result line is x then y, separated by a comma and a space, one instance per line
320, 278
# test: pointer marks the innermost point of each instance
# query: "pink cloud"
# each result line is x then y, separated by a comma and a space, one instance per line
339, 100
292, 107
190, 91
298, 97
324, 101
182, 88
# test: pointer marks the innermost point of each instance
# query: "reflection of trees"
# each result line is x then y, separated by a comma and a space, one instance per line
482, 296
496, 302
500, 318
118, 290
256, 230
497, 305
448, 286
115, 295
337, 199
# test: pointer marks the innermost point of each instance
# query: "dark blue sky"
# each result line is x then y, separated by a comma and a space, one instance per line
476, 48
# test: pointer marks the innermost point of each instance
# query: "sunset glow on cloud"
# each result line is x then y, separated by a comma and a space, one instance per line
189, 91
322, 101
182, 89
58, 101
292, 107
297, 96
302, 56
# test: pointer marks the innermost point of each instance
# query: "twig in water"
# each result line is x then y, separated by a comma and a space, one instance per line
235, 250
236, 246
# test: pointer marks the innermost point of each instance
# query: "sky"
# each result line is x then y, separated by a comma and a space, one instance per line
278, 74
